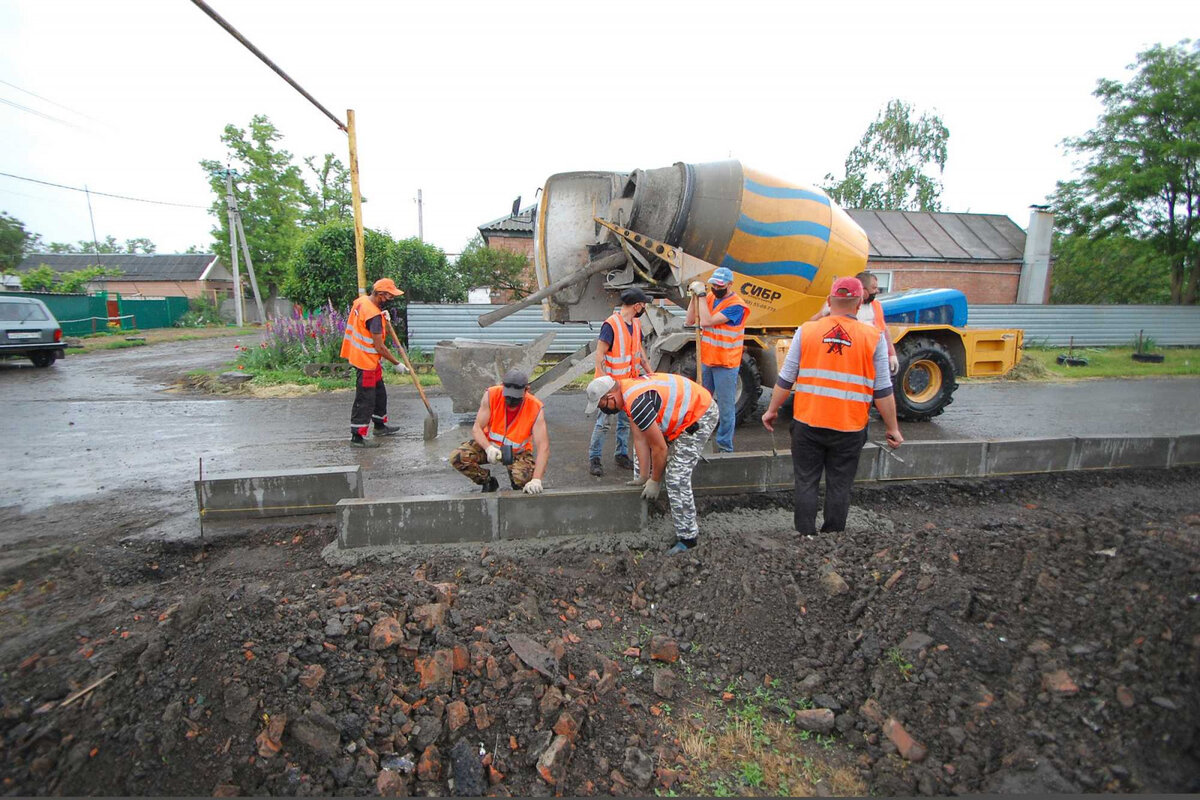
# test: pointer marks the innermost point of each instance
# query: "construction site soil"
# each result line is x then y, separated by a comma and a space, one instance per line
1035, 634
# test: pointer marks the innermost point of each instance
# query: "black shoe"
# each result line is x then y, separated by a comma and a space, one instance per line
595, 468
383, 429
624, 462
491, 485
356, 440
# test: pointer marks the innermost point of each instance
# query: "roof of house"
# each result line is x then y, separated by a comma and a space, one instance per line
520, 226
893, 235
938, 236
169, 267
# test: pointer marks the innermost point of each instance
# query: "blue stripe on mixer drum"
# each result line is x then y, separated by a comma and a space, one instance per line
785, 192
755, 227
800, 269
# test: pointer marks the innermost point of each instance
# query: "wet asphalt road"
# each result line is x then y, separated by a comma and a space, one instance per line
108, 428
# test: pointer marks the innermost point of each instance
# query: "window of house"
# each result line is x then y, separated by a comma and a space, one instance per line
885, 281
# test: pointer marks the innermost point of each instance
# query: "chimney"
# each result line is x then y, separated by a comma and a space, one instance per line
1034, 286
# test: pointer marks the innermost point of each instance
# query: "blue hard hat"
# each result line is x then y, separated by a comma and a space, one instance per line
721, 275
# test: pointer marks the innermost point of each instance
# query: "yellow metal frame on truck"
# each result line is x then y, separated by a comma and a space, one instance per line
980, 353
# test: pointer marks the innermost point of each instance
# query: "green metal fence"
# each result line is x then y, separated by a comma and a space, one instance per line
81, 314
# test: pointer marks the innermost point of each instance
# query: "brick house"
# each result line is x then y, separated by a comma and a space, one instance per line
173, 275
514, 234
981, 255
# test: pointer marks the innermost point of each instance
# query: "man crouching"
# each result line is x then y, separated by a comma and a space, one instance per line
510, 428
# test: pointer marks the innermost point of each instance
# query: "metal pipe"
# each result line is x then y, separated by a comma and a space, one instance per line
610, 261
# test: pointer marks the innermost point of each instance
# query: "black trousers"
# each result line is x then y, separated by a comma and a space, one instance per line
836, 453
370, 398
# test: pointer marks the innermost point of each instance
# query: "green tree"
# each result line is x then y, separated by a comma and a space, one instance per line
323, 268
481, 265
891, 165
426, 275
331, 200
139, 245
1141, 178
14, 240
39, 279
270, 192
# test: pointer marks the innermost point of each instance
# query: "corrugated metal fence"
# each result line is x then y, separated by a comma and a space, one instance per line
1092, 326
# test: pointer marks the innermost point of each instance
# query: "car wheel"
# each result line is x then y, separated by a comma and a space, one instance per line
42, 358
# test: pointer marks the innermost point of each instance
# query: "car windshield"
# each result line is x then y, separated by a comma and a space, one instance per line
20, 312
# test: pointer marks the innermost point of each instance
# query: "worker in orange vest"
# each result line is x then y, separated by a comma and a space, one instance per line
872, 312
837, 366
619, 353
363, 347
722, 317
672, 419
509, 429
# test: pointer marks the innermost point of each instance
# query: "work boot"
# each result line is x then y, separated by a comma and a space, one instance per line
595, 468
383, 429
357, 440
623, 461
681, 546
491, 485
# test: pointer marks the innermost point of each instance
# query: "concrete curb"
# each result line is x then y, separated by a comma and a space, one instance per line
293, 492
512, 515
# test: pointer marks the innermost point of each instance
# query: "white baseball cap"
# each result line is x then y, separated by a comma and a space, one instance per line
596, 390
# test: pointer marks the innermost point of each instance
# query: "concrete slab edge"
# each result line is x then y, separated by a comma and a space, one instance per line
258, 495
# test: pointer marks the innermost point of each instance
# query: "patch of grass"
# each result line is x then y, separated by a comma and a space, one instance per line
752, 774
896, 658
112, 344
1108, 362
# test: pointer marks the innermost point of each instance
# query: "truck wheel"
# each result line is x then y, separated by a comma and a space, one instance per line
42, 358
749, 388
925, 383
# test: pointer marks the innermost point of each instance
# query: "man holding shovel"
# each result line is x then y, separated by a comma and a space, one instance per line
363, 346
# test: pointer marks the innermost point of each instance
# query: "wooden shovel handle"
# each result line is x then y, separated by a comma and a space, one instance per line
407, 363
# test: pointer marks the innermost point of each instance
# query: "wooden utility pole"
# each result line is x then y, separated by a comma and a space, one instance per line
233, 253
358, 220
420, 217
238, 231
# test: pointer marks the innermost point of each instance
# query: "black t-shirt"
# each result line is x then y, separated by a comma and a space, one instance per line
375, 324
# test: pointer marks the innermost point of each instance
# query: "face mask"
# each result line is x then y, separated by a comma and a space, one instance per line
640, 312
609, 411
513, 402
869, 298
720, 291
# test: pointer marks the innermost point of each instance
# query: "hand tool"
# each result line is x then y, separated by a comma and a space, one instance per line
431, 421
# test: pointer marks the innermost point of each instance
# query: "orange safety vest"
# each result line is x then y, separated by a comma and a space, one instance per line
358, 346
721, 345
683, 401
622, 357
520, 433
836, 381
878, 320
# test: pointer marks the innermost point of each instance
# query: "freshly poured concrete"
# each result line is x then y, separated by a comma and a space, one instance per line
512, 515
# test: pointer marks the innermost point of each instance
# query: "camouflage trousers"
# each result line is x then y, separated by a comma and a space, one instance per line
685, 452
469, 459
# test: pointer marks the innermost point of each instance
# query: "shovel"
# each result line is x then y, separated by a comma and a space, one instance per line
431, 421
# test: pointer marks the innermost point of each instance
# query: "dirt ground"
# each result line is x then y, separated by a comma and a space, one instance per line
1036, 634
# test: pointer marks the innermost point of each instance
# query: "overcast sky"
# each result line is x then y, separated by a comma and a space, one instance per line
478, 102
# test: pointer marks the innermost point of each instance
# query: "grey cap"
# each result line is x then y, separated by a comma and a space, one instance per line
596, 390
515, 382
633, 296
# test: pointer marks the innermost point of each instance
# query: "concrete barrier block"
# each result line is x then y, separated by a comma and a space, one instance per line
731, 473
1025, 456
1186, 450
933, 460
430, 519
1116, 452
779, 472
868, 463
559, 512
279, 493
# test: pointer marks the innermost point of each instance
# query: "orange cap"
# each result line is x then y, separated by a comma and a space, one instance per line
387, 285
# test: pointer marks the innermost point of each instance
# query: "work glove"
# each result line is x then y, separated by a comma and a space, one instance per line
698, 288
534, 486
494, 456
400, 368
893, 364
650, 492
637, 481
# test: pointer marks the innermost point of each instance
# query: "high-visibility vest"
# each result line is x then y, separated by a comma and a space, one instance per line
721, 345
836, 381
683, 401
622, 357
358, 345
878, 321
520, 433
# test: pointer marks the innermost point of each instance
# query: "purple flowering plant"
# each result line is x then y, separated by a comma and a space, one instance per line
291, 342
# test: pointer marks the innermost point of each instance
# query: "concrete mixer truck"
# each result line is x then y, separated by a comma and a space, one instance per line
598, 233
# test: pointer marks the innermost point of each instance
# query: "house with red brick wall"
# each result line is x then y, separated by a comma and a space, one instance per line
513, 233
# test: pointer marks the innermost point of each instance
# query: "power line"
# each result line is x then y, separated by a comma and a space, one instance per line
37, 113
217, 18
103, 194
48, 100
